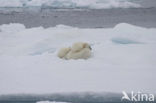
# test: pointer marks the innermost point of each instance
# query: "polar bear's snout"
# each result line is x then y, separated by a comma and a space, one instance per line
90, 48
78, 50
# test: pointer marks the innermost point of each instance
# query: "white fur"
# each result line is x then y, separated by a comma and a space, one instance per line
63, 52
78, 50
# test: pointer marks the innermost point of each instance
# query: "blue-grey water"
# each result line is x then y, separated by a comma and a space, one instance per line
67, 97
83, 97
83, 18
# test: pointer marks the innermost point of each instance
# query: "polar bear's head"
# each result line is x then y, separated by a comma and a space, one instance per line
86, 45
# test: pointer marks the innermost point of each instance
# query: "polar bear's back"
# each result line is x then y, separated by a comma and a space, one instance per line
77, 46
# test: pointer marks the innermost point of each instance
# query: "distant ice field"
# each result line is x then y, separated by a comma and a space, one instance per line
94, 4
90, 4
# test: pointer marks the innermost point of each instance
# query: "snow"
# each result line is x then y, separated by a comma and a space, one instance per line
123, 58
94, 4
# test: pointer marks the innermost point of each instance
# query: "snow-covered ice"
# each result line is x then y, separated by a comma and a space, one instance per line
123, 58
94, 4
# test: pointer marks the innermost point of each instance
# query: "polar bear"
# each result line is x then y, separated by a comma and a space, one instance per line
63, 52
78, 50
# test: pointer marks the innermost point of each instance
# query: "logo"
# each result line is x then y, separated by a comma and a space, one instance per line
137, 97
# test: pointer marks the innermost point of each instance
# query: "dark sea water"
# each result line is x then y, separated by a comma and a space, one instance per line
69, 98
86, 18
